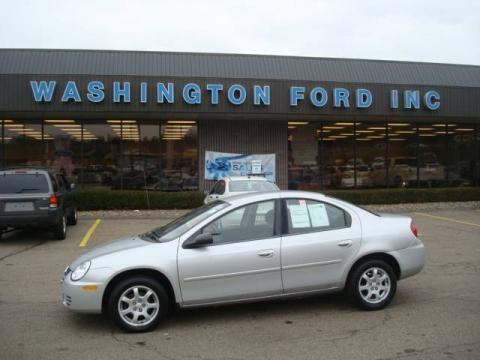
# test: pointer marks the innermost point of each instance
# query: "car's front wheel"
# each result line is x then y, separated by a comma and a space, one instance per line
372, 285
137, 304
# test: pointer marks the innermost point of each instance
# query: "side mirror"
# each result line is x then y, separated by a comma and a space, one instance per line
201, 240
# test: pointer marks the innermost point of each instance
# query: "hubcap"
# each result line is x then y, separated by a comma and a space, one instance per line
374, 285
138, 305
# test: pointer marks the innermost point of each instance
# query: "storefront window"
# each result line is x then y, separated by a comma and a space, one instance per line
432, 155
179, 156
62, 144
23, 143
304, 172
337, 154
402, 159
462, 155
371, 150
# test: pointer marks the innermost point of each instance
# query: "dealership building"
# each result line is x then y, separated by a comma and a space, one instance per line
149, 120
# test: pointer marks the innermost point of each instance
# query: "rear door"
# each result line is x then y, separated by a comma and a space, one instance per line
319, 240
23, 192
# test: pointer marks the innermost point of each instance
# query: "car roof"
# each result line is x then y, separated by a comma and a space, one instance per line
23, 171
246, 198
240, 178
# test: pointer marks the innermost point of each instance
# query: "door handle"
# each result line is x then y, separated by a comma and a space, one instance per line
345, 243
266, 253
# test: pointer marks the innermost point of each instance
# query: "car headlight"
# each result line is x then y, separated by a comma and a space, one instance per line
80, 271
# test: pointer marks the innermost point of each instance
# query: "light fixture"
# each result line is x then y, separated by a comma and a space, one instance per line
365, 131
398, 139
405, 132
334, 127
60, 121
376, 128
363, 139
346, 123
347, 134
425, 135
298, 122
425, 128
398, 124
181, 122
464, 129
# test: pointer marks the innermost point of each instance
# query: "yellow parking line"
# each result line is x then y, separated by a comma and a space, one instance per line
447, 219
89, 233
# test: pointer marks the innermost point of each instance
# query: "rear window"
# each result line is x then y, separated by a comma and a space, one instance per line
23, 184
252, 185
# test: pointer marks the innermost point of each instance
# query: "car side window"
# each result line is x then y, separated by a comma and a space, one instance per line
250, 222
311, 216
54, 183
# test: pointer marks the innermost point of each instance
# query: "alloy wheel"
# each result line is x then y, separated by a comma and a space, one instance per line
374, 285
138, 305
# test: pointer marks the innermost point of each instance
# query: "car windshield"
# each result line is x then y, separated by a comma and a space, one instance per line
23, 183
179, 226
252, 185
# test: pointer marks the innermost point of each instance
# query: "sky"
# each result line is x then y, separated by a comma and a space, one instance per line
408, 30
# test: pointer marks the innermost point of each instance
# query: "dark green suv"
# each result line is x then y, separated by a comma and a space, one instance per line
36, 198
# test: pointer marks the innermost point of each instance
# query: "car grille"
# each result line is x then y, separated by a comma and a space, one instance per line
67, 300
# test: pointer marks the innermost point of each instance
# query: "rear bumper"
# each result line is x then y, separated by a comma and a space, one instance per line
44, 218
411, 259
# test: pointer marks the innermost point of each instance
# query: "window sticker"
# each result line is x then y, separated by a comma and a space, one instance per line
318, 214
299, 216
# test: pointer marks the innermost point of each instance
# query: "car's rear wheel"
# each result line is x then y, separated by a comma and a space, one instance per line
137, 304
73, 217
60, 229
372, 285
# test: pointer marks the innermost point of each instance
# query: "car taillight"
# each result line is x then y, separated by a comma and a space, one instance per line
53, 200
414, 229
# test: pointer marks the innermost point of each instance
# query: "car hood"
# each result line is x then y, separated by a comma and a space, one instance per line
130, 242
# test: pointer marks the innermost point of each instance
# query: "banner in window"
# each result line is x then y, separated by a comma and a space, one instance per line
219, 165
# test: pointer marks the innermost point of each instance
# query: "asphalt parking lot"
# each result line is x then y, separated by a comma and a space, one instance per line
435, 315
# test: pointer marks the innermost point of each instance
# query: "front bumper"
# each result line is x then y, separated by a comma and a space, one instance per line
410, 259
79, 295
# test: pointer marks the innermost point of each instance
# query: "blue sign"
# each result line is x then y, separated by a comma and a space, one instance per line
236, 94
219, 165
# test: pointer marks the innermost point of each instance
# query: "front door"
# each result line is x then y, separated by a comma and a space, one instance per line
319, 241
242, 263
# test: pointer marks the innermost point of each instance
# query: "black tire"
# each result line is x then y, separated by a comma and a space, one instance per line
142, 283
60, 229
72, 217
379, 297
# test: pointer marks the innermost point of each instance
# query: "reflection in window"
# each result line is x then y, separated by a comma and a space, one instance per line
432, 155
62, 141
462, 150
23, 143
402, 154
371, 147
337, 154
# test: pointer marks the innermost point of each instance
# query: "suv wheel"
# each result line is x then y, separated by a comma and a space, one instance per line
73, 217
372, 285
137, 304
60, 229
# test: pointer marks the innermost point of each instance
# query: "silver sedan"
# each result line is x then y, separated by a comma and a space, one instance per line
251, 247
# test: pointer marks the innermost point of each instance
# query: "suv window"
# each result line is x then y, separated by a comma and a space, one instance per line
251, 185
23, 183
54, 183
312, 216
251, 222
